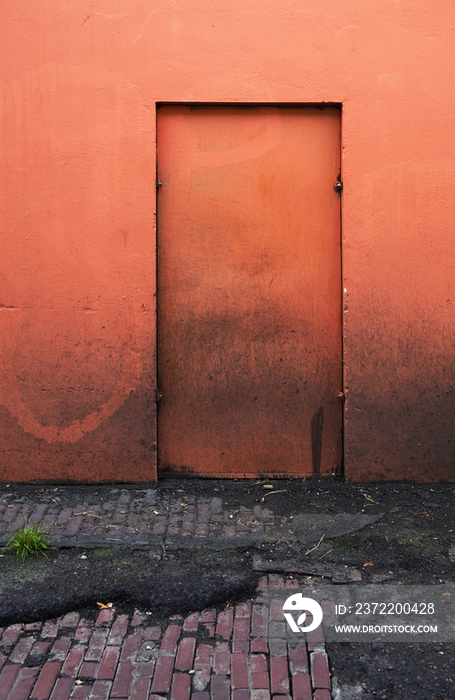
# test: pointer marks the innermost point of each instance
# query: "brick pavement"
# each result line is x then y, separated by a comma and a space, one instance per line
245, 652
240, 653
140, 518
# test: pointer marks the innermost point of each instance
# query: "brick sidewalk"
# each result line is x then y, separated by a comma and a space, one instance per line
138, 520
241, 653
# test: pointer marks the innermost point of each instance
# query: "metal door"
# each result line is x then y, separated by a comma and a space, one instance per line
249, 291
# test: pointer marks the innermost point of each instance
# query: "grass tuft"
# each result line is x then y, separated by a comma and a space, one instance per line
29, 540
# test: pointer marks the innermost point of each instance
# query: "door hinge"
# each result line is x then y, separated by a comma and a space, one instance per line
338, 187
158, 395
158, 184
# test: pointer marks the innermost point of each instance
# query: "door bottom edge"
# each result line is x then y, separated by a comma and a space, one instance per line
165, 474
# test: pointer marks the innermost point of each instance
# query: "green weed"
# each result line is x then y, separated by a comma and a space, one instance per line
29, 540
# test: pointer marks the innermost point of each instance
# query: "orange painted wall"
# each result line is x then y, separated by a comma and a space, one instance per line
80, 81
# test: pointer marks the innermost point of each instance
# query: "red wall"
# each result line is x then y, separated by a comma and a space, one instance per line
80, 82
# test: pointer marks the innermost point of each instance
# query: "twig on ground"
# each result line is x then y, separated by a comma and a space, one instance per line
316, 546
324, 555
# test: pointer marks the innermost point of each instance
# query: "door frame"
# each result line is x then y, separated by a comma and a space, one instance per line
340, 472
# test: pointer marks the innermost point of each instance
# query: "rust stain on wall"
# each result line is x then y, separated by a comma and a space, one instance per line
14, 401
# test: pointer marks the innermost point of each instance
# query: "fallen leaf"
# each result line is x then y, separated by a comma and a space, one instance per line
368, 563
105, 607
78, 682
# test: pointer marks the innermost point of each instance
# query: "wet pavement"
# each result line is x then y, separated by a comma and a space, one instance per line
238, 646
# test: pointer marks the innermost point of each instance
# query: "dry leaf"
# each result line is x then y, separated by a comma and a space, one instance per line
105, 607
368, 563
